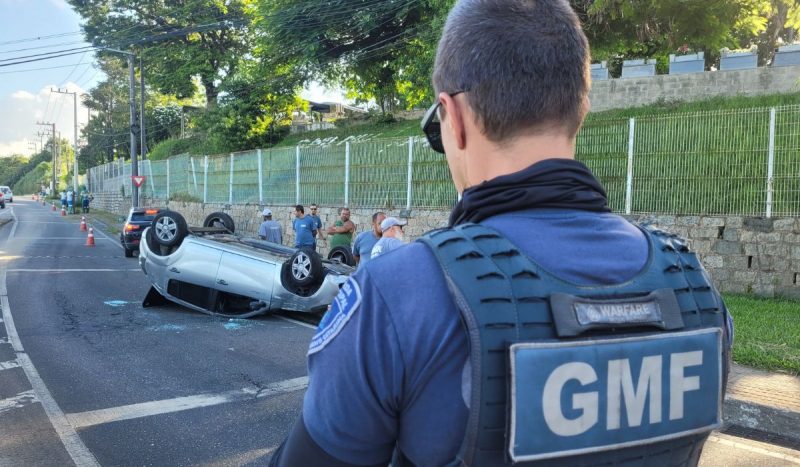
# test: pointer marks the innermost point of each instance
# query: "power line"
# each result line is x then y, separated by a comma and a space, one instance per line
39, 38
40, 58
43, 68
47, 53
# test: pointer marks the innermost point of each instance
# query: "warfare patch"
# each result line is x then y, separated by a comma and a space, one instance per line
342, 309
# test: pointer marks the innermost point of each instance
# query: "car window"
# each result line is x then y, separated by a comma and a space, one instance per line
142, 217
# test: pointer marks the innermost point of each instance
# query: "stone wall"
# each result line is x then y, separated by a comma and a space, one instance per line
742, 254
635, 92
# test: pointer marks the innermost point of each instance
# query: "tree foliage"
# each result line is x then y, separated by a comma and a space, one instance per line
162, 30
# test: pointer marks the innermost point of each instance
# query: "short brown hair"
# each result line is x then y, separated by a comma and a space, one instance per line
523, 63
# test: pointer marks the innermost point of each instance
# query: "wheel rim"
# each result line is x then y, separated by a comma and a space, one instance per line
166, 229
301, 267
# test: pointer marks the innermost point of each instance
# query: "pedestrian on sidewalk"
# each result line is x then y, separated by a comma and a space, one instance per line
303, 228
270, 230
365, 241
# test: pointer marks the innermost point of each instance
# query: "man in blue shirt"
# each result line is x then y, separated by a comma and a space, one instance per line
270, 230
392, 367
391, 237
362, 246
303, 229
317, 222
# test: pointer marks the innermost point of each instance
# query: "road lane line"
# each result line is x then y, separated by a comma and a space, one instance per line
78, 451
116, 242
20, 400
8, 365
307, 325
178, 404
73, 270
13, 227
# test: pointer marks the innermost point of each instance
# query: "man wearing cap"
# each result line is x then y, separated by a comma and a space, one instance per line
365, 241
270, 230
391, 237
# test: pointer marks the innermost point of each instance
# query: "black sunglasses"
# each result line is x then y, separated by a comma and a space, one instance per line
432, 127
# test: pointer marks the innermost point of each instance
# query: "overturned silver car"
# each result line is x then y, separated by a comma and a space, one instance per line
212, 270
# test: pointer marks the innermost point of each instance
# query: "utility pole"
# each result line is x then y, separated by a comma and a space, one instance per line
74, 135
53, 155
134, 124
143, 146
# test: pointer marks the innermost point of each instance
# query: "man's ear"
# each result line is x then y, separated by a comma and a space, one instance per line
454, 119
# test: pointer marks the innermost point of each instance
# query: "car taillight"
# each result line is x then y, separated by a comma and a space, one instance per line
131, 227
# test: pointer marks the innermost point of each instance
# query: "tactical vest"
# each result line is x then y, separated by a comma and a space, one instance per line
611, 353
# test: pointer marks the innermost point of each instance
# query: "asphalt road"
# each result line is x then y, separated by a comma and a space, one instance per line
100, 380
88, 377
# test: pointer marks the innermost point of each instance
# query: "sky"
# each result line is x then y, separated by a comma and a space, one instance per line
25, 89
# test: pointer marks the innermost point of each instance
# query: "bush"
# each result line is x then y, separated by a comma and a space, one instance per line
173, 147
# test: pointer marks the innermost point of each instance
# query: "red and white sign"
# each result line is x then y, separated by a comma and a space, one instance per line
138, 180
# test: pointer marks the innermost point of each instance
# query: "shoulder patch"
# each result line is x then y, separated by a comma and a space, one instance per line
342, 309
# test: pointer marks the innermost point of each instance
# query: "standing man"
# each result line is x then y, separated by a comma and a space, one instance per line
270, 230
594, 341
317, 222
303, 227
342, 231
391, 237
362, 246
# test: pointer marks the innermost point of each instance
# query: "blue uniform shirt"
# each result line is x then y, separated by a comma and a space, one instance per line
385, 245
317, 224
362, 246
388, 362
303, 227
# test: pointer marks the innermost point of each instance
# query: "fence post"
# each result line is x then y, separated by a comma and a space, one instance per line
770, 161
629, 185
297, 175
167, 196
230, 183
346, 174
205, 180
410, 171
152, 180
260, 178
194, 175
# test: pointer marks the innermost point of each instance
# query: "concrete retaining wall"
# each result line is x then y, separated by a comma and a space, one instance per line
635, 92
742, 254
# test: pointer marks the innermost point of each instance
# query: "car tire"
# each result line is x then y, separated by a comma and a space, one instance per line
343, 254
220, 219
128, 253
168, 229
304, 268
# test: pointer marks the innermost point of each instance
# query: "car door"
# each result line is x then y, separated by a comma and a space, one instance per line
247, 276
197, 264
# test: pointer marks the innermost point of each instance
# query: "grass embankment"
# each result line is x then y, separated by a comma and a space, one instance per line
109, 221
767, 332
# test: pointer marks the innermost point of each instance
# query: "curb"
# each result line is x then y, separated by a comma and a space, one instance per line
778, 423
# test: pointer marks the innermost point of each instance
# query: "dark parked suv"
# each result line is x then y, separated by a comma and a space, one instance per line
138, 220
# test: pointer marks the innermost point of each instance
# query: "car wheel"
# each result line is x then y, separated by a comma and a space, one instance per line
343, 254
128, 253
305, 268
169, 228
220, 219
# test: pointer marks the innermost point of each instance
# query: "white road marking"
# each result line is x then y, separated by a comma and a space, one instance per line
13, 227
57, 238
178, 404
74, 270
78, 451
20, 400
8, 365
300, 323
116, 242
755, 449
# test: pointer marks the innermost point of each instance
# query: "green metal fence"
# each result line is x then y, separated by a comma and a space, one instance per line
738, 162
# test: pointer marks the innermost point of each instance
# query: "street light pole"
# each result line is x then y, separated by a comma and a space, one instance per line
74, 135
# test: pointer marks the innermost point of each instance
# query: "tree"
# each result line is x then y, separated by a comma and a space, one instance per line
162, 31
363, 45
647, 28
9, 166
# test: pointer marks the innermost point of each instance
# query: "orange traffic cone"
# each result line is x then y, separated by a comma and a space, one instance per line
63, 211
54, 207
83, 223
90, 238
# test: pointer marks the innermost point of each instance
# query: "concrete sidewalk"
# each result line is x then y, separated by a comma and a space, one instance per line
764, 406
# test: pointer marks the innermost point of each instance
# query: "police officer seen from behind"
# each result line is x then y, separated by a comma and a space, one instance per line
592, 342
270, 230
